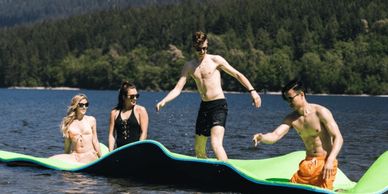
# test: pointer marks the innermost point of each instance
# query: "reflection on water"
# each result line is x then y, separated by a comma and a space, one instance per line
81, 182
30, 124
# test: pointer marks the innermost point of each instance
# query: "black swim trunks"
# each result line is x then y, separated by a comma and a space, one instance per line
210, 114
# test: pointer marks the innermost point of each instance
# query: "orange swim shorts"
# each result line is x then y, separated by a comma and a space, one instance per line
311, 172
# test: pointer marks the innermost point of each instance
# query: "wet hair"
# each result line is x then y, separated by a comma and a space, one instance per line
295, 84
125, 86
71, 113
198, 39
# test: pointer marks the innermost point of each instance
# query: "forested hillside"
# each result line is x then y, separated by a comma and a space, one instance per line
335, 46
16, 12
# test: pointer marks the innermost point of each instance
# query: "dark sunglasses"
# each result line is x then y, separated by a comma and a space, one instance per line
290, 99
133, 96
201, 48
83, 105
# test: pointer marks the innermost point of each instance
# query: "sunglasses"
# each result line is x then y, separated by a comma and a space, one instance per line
133, 96
290, 99
83, 105
201, 48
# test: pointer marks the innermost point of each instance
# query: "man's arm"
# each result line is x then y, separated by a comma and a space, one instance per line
177, 89
273, 137
328, 121
225, 66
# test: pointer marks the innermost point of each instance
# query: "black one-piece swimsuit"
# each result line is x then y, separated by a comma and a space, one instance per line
128, 131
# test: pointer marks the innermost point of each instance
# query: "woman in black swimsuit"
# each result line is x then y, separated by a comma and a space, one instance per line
128, 120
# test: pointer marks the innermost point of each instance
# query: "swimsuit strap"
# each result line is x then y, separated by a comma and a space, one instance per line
133, 110
118, 116
133, 116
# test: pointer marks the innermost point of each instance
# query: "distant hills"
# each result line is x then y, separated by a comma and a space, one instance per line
337, 47
14, 12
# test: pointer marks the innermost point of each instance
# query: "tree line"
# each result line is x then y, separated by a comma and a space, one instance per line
334, 46
22, 12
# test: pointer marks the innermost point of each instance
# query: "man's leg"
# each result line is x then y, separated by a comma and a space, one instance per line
200, 146
217, 137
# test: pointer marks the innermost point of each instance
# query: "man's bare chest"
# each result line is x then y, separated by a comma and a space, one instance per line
309, 126
206, 69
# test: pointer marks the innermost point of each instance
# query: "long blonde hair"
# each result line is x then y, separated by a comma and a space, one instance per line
71, 114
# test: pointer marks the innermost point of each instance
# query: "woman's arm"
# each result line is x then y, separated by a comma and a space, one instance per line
96, 144
143, 123
111, 137
67, 145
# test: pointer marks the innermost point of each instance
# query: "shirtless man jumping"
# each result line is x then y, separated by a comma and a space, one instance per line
320, 135
205, 70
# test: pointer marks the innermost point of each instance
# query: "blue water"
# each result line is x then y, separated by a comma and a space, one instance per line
29, 124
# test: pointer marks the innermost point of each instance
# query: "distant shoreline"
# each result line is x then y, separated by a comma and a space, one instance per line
309, 94
193, 91
43, 88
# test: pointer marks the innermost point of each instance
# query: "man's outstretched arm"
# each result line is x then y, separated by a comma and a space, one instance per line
225, 66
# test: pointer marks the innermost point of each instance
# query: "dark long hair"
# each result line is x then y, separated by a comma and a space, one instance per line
125, 86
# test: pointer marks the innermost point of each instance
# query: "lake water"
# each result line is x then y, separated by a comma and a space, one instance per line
29, 124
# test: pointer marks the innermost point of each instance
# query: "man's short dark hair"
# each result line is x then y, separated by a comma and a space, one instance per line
295, 84
198, 39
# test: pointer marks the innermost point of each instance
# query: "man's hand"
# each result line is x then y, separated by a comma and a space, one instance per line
160, 105
328, 169
257, 138
256, 99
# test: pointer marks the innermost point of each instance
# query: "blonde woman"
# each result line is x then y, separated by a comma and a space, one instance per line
80, 133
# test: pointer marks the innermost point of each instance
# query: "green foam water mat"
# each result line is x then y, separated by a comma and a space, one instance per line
150, 161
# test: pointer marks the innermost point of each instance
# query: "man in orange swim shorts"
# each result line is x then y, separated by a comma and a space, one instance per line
311, 172
319, 132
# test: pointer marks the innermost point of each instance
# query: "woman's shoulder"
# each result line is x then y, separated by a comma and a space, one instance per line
114, 111
140, 108
90, 118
